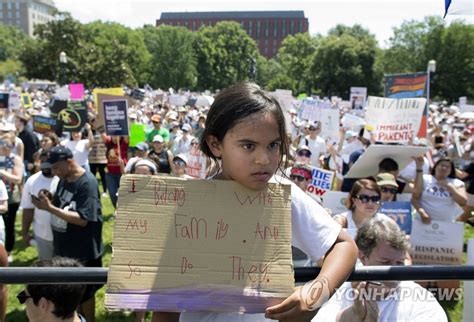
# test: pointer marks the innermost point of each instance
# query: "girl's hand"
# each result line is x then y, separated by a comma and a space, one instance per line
303, 304
425, 218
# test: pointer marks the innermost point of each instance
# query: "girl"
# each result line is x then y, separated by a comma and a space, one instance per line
245, 132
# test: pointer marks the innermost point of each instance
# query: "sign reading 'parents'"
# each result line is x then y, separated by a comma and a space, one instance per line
200, 245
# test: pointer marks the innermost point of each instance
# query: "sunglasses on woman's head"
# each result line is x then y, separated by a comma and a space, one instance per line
367, 199
297, 178
304, 153
393, 191
22, 297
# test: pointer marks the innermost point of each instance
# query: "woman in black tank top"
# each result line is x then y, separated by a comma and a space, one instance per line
162, 156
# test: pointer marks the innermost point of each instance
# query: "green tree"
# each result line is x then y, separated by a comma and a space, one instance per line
296, 56
344, 61
173, 62
267, 70
224, 55
12, 42
41, 57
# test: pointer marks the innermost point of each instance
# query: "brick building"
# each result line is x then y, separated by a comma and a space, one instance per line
268, 28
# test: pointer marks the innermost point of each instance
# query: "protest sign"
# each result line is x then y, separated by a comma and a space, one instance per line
100, 121
199, 245
72, 114
114, 91
469, 285
400, 211
352, 122
321, 181
405, 85
14, 101
98, 150
196, 166
4, 100
287, 102
116, 117
137, 134
394, 120
62, 93
358, 97
77, 91
177, 100
437, 243
43, 125
329, 119
26, 100
466, 108
367, 164
335, 201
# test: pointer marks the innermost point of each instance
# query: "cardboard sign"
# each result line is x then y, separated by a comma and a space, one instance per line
335, 201
4, 100
44, 125
116, 117
321, 181
367, 164
400, 212
437, 243
358, 97
394, 120
199, 245
77, 91
98, 150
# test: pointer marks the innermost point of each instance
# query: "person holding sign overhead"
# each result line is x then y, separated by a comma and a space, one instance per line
245, 134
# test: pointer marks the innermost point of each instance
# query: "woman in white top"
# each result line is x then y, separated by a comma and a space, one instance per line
363, 203
442, 196
79, 147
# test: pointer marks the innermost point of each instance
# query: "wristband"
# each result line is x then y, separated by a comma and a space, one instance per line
419, 171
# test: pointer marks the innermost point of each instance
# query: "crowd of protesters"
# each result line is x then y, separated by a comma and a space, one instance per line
60, 201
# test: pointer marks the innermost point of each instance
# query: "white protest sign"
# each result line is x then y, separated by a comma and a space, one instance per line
329, 119
394, 120
350, 121
466, 108
287, 102
367, 164
62, 93
321, 181
199, 245
335, 201
462, 100
14, 101
437, 243
358, 97
177, 100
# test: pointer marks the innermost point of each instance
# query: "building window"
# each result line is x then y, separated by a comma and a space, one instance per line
9, 5
266, 28
301, 26
194, 25
1, 14
17, 5
9, 15
17, 14
250, 32
292, 27
275, 28
258, 29
283, 29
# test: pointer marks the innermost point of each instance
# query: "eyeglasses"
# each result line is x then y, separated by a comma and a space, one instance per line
297, 178
304, 153
179, 163
367, 199
22, 297
194, 143
393, 191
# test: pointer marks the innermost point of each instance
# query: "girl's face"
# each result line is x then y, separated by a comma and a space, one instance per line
46, 143
443, 169
250, 151
387, 193
366, 202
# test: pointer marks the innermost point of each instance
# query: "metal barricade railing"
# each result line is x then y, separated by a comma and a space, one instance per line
88, 275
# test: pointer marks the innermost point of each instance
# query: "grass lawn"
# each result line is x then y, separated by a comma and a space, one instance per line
26, 256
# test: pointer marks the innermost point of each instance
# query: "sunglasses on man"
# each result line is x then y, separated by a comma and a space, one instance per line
22, 297
367, 199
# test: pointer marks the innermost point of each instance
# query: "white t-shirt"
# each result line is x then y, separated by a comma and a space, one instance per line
410, 302
79, 150
41, 218
437, 201
3, 197
317, 147
409, 172
313, 231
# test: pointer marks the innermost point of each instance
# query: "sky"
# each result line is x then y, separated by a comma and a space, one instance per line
379, 16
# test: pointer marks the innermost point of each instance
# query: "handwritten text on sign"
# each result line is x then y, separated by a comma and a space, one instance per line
200, 235
394, 120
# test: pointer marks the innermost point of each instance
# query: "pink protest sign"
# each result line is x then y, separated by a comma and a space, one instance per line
77, 91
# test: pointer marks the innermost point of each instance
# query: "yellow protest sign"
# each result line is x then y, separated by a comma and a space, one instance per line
193, 245
115, 91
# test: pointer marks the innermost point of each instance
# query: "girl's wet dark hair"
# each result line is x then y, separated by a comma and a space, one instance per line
233, 105
452, 172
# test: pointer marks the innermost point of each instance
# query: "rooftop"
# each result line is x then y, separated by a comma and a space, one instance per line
232, 15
